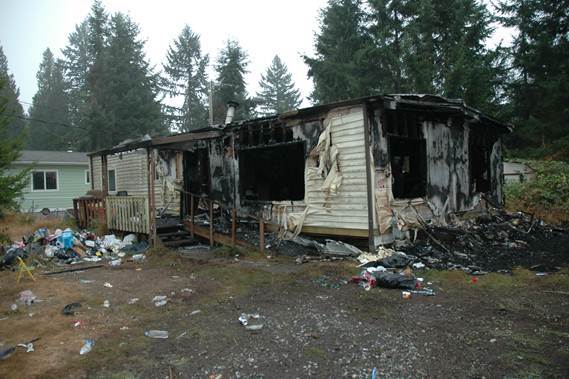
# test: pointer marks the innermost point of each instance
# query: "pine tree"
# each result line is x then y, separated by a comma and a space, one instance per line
11, 185
49, 127
84, 72
185, 76
9, 91
278, 93
76, 65
127, 106
112, 87
539, 80
387, 25
341, 68
231, 68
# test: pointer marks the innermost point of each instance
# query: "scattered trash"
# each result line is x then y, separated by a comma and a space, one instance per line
187, 290
14, 307
474, 279
108, 285
254, 327
156, 333
406, 295
424, 292
86, 281
374, 373
8, 352
160, 300
28, 346
244, 319
87, 346
106, 304
134, 300
181, 335
70, 247
137, 258
493, 340
116, 262
195, 312
27, 297
418, 265
124, 327
70, 309
77, 324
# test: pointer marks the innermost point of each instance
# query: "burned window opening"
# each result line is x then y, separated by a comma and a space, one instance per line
265, 134
196, 171
408, 167
480, 148
272, 173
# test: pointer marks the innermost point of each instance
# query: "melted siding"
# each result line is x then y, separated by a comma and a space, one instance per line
348, 208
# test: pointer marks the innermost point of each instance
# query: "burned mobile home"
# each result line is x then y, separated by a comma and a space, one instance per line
369, 168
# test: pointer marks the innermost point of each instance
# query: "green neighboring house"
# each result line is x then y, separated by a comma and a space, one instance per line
57, 178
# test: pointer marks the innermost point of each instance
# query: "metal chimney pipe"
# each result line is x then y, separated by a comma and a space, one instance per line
231, 105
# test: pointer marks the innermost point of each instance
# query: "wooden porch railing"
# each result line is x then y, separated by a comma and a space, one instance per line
89, 211
210, 233
128, 214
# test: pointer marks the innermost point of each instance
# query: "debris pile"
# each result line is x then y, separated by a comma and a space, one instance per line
494, 242
67, 246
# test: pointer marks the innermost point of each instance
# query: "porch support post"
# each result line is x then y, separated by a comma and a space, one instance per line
151, 195
192, 215
261, 232
104, 175
371, 231
233, 226
211, 223
91, 172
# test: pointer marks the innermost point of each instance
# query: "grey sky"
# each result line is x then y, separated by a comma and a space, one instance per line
263, 27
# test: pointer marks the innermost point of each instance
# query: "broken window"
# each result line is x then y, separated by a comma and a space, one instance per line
480, 148
407, 153
272, 173
408, 167
196, 171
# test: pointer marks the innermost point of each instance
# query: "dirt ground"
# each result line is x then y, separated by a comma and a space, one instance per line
314, 322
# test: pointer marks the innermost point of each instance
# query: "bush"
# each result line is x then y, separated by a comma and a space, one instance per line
547, 196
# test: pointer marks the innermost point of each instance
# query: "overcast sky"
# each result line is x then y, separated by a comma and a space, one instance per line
263, 27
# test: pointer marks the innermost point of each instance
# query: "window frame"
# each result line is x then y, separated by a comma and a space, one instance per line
44, 181
114, 170
87, 176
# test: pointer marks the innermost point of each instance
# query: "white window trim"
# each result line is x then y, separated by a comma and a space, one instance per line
44, 181
86, 175
108, 179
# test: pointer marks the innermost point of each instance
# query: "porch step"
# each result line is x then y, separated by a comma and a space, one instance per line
174, 235
180, 242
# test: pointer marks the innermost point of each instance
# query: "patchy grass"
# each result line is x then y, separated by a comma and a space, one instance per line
520, 278
315, 352
14, 226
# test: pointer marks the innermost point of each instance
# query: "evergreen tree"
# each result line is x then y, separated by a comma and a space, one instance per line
76, 64
10, 92
231, 68
447, 51
126, 91
341, 68
278, 93
539, 80
11, 185
388, 22
49, 114
112, 88
185, 76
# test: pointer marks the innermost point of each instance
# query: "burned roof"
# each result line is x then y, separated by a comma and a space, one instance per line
389, 101
55, 157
